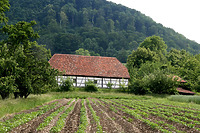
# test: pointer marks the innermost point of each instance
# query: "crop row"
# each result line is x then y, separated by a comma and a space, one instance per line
142, 112
142, 116
22, 118
116, 107
61, 112
168, 106
48, 119
83, 118
162, 108
96, 118
62, 120
166, 113
160, 117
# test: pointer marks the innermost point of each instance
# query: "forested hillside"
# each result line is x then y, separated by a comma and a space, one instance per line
99, 26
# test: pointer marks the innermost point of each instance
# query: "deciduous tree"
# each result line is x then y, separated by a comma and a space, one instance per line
155, 43
82, 51
24, 66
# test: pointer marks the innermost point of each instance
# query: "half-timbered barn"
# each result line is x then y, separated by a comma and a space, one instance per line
100, 70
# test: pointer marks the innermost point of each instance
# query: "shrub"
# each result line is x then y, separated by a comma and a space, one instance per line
196, 85
122, 86
156, 82
138, 86
109, 85
66, 84
160, 83
90, 86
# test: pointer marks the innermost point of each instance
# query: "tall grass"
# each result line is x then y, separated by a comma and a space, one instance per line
10, 106
105, 95
185, 98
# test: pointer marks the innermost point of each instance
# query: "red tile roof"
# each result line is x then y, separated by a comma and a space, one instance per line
94, 66
184, 91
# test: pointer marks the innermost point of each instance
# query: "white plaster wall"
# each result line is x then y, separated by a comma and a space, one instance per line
80, 81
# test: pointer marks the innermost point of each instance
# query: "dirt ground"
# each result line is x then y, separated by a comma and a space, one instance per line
111, 121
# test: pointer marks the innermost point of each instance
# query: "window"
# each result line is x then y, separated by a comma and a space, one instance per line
95, 81
74, 80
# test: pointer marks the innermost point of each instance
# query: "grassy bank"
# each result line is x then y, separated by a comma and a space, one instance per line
10, 106
187, 99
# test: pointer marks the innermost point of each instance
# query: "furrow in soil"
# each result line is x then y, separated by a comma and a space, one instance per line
73, 120
32, 125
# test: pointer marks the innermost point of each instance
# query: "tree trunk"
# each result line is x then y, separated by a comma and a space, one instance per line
4, 95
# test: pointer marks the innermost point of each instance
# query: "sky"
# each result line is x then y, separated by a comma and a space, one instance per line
181, 15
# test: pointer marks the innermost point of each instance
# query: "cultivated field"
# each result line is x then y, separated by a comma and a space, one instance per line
104, 115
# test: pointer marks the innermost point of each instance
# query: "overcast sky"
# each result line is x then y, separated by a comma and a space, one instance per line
181, 15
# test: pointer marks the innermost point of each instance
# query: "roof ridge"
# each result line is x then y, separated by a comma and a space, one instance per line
85, 55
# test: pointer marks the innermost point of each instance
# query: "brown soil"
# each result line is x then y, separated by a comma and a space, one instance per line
33, 124
72, 121
122, 124
111, 122
178, 126
92, 126
143, 127
55, 119
106, 122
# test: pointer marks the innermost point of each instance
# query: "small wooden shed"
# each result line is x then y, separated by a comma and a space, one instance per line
181, 89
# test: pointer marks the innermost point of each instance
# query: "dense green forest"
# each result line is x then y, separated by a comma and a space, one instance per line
101, 27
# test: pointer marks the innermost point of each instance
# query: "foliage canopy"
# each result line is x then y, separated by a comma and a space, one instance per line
24, 65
